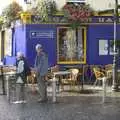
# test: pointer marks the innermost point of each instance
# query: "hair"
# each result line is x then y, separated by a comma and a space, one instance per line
20, 54
38, 46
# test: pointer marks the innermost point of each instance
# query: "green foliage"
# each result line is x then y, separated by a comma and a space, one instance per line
1, 21
10, 13
117, 43
51, 7
75, 25
44, 9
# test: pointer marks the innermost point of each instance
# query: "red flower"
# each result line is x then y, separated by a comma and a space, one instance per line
77, 13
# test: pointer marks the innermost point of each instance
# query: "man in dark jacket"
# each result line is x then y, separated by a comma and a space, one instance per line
41, 66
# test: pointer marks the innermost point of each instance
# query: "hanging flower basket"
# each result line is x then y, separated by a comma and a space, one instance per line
77, 13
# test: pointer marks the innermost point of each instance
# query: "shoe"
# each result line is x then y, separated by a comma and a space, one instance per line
18, 102
23, 101
42, 100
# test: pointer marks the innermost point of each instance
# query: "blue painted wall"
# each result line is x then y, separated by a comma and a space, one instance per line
19, 40
94, 34
25, 42
49, 43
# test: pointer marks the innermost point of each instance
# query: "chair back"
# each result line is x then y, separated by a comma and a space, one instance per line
98, 73
108, 69
74, 73
54, 68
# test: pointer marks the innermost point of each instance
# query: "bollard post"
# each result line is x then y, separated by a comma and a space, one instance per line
7, 87
104, 88
54, 89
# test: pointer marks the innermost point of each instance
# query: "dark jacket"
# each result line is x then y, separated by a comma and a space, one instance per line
21, 66
41, 64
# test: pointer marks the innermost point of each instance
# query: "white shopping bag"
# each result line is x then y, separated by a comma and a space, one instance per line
19, 80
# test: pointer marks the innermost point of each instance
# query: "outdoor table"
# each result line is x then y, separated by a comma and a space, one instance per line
5, 71
8, 81
54, 80
3, 82
82, 74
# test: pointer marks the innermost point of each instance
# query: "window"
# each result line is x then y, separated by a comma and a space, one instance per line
8, 42
71, 45
103, 47
106, 47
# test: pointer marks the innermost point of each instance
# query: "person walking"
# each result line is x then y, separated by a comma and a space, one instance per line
22, 71
41, 67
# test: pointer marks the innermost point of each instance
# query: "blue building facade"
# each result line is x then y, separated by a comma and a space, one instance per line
96, 39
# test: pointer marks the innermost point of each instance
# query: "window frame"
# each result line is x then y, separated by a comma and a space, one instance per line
84, 48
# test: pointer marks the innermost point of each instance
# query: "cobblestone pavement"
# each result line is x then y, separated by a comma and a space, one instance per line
70, 106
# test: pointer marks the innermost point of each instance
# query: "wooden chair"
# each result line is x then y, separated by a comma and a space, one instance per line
31, 79
99, 74
108, 69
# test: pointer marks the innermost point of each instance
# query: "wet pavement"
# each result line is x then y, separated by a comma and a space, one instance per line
92, 105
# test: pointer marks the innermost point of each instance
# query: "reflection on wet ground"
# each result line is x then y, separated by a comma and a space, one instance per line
89, 104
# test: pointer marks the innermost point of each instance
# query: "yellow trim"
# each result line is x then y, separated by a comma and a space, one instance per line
103, 14
97, 23
95, 14
85, 48
69, 23
5, 40
0, 44
57, 44
107, 14
72, 62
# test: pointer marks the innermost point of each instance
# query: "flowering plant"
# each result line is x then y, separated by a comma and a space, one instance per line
77, 13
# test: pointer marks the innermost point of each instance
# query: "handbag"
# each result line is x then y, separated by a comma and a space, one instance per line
19, 80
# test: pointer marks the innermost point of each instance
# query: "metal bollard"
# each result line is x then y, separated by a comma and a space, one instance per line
104, 88
54, 89
7, 87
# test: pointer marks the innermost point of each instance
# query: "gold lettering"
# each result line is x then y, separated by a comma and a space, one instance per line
119, 20
108, 20
89, 19
101, 19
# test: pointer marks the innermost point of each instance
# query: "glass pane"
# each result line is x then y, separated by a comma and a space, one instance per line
8, 42
70, 45
103, 47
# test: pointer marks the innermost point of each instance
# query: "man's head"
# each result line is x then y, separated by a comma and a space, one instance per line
38, 48
20, 55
